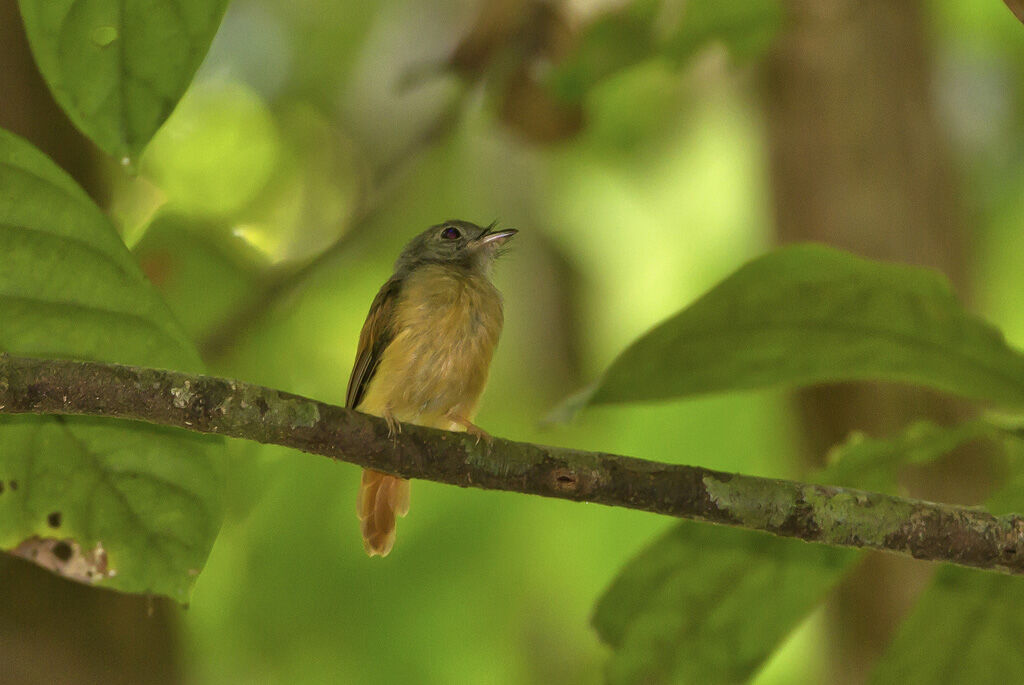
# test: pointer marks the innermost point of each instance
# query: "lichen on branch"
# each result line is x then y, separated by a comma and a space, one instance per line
811, 512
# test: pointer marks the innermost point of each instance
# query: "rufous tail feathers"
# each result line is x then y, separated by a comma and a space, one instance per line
381, 498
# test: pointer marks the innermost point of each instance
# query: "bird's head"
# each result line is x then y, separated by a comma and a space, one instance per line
458, 243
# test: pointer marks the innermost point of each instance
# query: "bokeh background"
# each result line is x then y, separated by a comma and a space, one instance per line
320, 135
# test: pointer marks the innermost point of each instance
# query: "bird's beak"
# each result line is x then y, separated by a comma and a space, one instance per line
495, 238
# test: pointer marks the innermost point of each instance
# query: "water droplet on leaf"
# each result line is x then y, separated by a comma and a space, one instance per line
104, 35
128, 164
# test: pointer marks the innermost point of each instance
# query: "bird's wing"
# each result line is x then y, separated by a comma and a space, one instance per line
376, 335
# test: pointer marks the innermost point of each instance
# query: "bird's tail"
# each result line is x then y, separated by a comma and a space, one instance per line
381, 498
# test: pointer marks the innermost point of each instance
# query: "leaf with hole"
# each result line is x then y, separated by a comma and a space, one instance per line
126, 505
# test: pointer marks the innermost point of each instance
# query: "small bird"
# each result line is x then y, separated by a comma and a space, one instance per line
424, 352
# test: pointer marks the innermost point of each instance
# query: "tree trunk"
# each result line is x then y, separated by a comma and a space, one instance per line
858, 160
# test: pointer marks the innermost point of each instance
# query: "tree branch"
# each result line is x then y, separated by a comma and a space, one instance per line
1017, 7
815, 513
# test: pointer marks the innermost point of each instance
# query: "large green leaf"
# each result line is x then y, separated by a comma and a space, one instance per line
812, 314
118, 67
82, 496
709, 604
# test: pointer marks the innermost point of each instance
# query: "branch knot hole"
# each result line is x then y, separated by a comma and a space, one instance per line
565, 480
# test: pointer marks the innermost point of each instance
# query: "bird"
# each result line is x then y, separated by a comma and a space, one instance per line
424, 353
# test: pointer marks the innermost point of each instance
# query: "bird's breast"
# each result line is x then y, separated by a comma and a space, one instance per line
446, 326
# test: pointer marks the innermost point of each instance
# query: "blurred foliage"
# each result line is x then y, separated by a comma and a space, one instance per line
672, 31
214, 123
975, 617
625, 140
176, 266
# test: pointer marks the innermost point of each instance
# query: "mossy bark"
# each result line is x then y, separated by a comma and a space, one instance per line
815, 513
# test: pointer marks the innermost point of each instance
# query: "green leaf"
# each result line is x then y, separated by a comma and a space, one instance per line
811, 314
709, 604
118, 67
138, 500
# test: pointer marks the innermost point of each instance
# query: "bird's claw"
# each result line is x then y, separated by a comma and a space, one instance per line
471, 428
394, 426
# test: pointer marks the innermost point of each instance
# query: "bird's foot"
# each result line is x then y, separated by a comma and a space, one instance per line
394, 427
471, 428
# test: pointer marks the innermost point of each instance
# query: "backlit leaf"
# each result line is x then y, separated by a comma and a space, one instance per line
118, 67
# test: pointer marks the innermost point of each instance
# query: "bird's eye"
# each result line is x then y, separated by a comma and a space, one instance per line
451, 233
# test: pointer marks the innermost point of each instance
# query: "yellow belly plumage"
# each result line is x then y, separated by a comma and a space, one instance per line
446, 325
